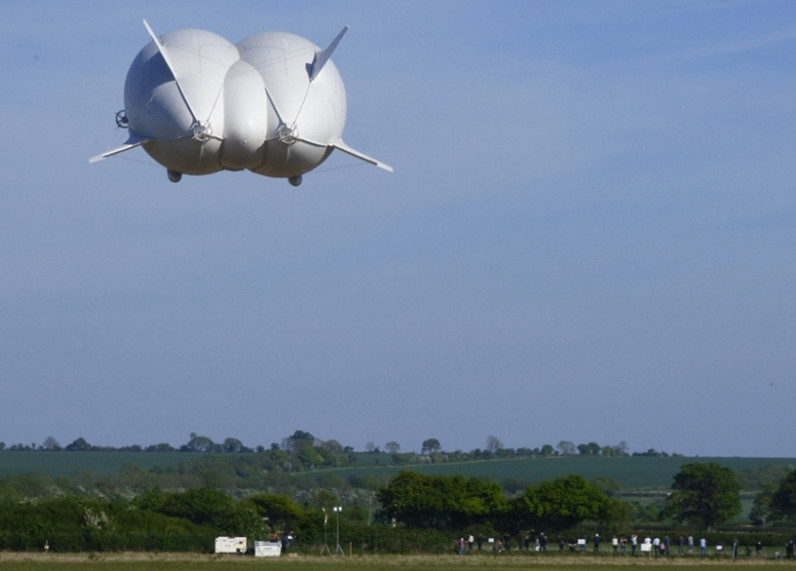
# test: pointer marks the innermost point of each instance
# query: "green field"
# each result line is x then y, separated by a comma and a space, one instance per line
150, 562
60, 464
633, 472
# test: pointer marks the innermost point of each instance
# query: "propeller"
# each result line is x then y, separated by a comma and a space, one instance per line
201, 131
289, 133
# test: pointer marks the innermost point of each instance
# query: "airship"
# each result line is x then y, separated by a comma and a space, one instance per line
273, 104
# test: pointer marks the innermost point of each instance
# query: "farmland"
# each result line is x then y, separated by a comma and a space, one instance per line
632, 472
60, 464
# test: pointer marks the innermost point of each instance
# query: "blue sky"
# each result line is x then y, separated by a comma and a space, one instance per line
588, 236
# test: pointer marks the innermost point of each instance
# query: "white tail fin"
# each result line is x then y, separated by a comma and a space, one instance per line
362, 156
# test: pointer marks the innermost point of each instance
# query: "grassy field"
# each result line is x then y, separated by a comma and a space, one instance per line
633, 472
157, 562
58, 464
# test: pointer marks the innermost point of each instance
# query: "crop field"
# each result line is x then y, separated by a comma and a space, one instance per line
60, 464
157, 562
633, 472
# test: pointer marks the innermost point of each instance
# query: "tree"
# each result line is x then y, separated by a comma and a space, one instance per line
392, 447
332, 446
446, 502
78, 445
761, 513
560, 504
616, 513
609, 486
431, 446
281, 512
198, 444
298, 440
50, 443
704, 492
783, 502
566, 448
493, 443
160, 447
590, 449
547, 450
233, 445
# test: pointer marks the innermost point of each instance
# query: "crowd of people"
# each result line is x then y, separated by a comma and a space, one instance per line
648, 546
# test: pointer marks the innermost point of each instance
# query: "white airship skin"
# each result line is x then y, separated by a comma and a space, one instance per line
273, 103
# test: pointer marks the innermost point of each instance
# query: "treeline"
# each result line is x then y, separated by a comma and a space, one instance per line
410, 513
431, 449
189, 521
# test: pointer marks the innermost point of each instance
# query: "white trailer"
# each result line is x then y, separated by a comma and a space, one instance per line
231, 545
267, 549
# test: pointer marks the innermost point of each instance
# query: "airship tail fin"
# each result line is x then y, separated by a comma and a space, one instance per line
362, 156
173, 69
131, 143
322, 56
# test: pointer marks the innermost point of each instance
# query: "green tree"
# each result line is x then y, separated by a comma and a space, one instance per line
431, 446
493, 443
590, 449
78, 445
615, 514
566, 448
198, 443
50, 443
761, 513
559, 504
392, 447
783, 502
280, 512
547, 450
704, 492
609, 486
446, 502
298, 440
234, 445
